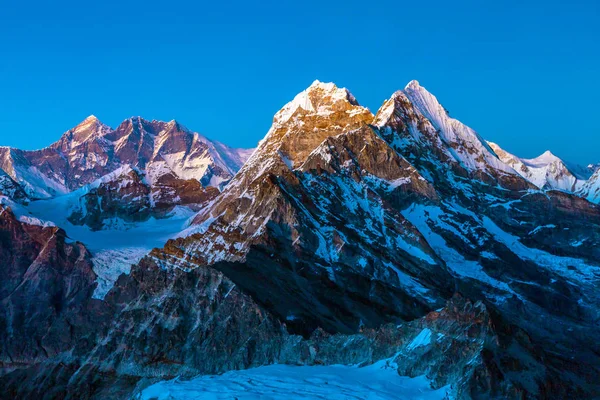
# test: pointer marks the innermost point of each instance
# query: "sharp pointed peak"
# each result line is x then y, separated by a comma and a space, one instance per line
548, 153
91, 127
176, 125
91, 117
89, 120
413, 87
324, 85
414, 84
547, 156
328, 88
318, 97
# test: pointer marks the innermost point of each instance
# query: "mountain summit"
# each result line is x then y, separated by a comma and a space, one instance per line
402, 240
545, 171
309, 118
420, 128
93, 149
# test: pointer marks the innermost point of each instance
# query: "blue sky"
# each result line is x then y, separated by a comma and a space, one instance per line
524, 74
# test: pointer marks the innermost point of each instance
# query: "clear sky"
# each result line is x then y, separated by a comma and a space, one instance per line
525, 74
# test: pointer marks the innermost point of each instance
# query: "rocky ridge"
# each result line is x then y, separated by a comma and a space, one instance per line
92, 150
345, 238
546, 171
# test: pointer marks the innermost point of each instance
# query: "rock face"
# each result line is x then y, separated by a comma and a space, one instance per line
92, 150
417, 204
321, 227
11, 189
125, 196
345, 238
120, 176
45, 293
416, 125
591, 188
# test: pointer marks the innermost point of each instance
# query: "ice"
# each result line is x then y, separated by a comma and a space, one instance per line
472, 152
421, 217
113, 250
37, 184
110, 264
539, 228
422, 339
336, 382
20, 211
571, 268
545, 171
591, 189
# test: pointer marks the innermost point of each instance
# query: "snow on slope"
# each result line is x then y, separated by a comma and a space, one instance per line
307, 101
546, 171
35, 183
378, 381
114, 249
422, 217
429, 220
203, 159
466, 146
591, 188
92, 149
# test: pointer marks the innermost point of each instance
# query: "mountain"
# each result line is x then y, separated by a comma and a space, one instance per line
442, 148
592, 168
345, 238
546, 171
126, 196
92, 150
313, 196
47, 282
375, 221
591, 188
11, 190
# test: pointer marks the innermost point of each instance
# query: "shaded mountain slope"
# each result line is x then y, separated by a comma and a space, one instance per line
348, 238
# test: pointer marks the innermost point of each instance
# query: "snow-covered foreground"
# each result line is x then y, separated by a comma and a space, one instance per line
114, 249
378, 381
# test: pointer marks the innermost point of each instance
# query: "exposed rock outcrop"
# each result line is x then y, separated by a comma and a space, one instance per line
345, 238
92, 150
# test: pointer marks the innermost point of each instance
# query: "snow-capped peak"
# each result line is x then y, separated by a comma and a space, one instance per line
428, 124
91, 118
545, 171
90, 121
88, 129
92, 149
430, 107
591, 188
322, 110
413, 85
544, 159
322, 85
319, 98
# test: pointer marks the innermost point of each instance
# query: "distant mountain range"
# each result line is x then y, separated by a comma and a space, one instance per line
146, 252
92, 150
